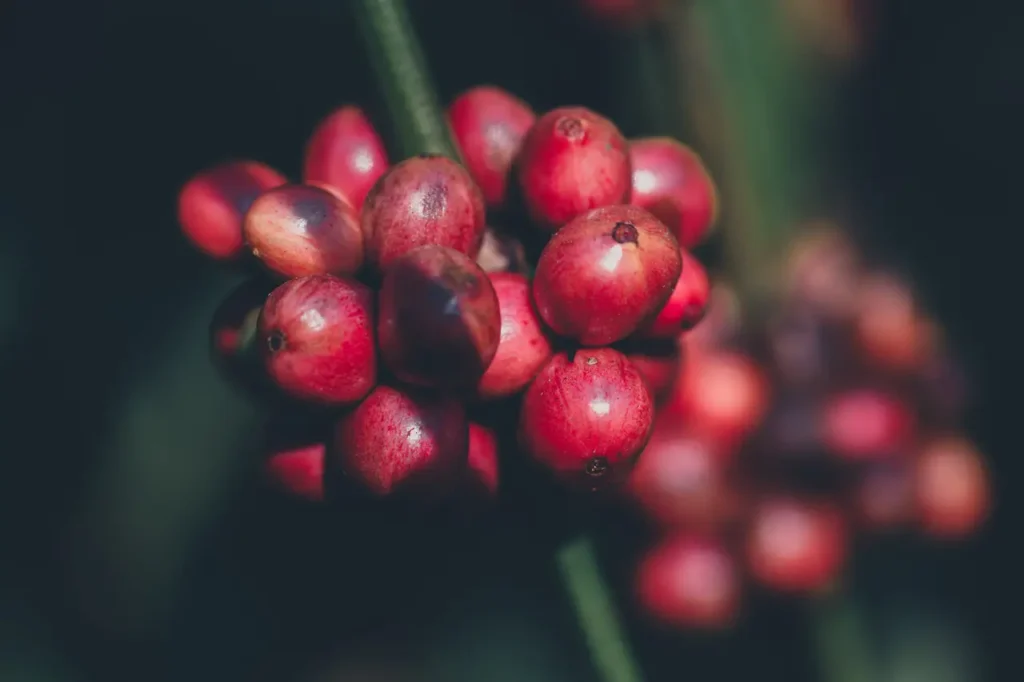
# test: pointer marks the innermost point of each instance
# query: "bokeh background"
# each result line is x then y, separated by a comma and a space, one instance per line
133, 546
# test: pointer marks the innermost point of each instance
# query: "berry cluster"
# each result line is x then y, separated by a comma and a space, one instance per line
397, 310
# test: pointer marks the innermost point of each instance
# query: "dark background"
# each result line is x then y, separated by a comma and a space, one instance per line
131, 547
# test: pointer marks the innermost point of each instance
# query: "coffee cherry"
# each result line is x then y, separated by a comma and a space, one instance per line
211, 205
489, 125
233, 328
823, 271
606, 273
690, 581
346, 153
586, 416
501, 253
721, 325
670, 181
298, 230
523, 348
883, 495
317, 340
890, 330
795, 546
483, 461
952, 488
298, 471
867, 424
572, 161
658, 363
686, 305
404, 442
439, 318
423, 200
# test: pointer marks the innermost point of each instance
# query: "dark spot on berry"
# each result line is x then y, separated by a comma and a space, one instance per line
596, 467
625, 233
571, 128
313, 210
434, 200
461, 280
591, 361
275, 341
693, 313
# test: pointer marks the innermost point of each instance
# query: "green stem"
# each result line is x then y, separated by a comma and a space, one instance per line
842, 646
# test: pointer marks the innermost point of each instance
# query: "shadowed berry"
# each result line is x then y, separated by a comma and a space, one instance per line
823, 270
952, 488
501, 253
890, 330
346, 153
867, 424
883, 495
686, 305
233, 328
483, 461
298, 471
658, 363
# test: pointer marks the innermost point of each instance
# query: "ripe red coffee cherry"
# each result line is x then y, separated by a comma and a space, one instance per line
889, 328
523, 348
439, 319
483, 461
572, 161
501, 253
317, 339
686, 305
867, 424
404, 441
346, 153
795, 546
211, 205
299, 230
423, 200
658, 363
823, 270
606, 273
952, 488
298, 471
489, 125
690, 581
670, 181
586, 416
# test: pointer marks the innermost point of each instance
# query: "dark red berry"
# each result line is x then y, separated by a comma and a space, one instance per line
211, 205
298, 471
422, 200
404, 441
883, 495
587, 416
489, 125
572, 161
317, 339
823, 270
346, 153
299, 230
439, 319
606, 273
483, 461
890, 331
690, 581
952, 488
686, 305
658, 363
523, 348
867, 424
501, 253
670, 181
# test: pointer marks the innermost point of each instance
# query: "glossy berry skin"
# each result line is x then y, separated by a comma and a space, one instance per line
686, 305
523, 347
299, 230
316, 335
298, 471
670, 181
867, 424
690, 581
952, 487
586, 417
572, 160
404, 442
212, 204
489, 125
346, 153
439, 320
795, 546
483, 462
423, 200
658, 363
605, 274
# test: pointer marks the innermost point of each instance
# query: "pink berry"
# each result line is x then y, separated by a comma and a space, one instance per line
523, 348
670, 181
658, 363
317, 338
403, 441
483, 461
439, 318
586, 416
867, 424
953, 492
298, 471
211, 205
686, 305
299, 230
346, 153
423, 200
606, 273
572, 161
489, 125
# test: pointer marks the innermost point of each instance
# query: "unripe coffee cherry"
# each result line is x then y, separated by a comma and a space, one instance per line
346, 153
572, 161
212, 204
606, 273
686, 305
299, 230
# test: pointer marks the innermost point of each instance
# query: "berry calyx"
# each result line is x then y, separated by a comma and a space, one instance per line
346, 153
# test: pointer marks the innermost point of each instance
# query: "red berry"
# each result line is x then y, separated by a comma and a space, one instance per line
501, 253
658, 364
822, 270
299, 471
586, 416
439, 319
795, 546
299, 230
346, 153
952, 488
317, 338
483, 461
867, 424
489, 125
686, 305
233, 327
403, 441
423, 200
211, 205
606, 273
572, 161
883, 495
690, 581
670, 181
890, 330
523, 348
721, 324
